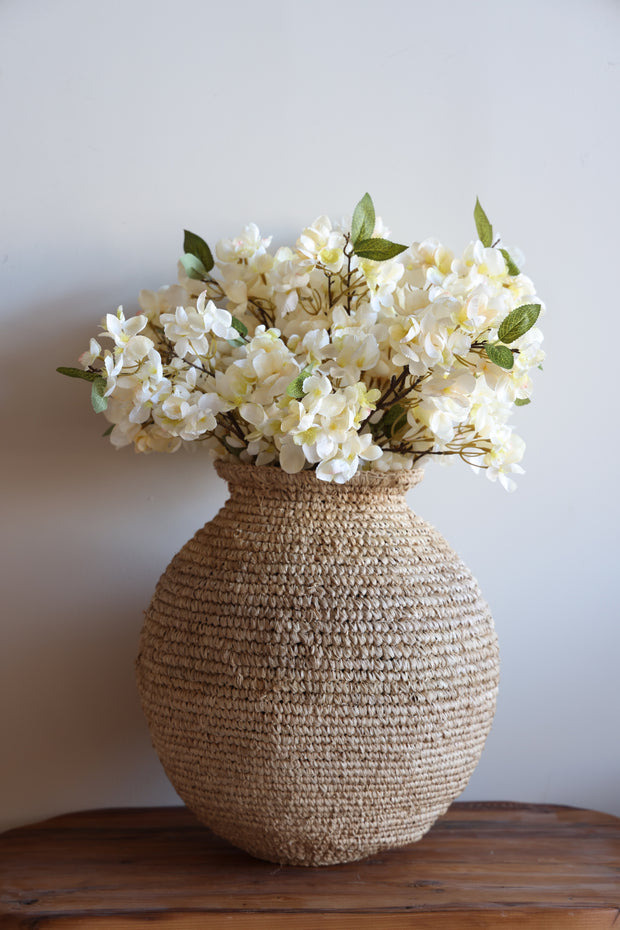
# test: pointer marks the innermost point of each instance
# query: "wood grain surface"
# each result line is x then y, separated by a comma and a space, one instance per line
482, 866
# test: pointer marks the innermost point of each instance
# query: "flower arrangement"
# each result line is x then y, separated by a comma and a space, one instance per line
347, 352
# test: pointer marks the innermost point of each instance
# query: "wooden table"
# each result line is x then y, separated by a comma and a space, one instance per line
482, 866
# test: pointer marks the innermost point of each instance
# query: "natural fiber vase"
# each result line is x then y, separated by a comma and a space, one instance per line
317, 667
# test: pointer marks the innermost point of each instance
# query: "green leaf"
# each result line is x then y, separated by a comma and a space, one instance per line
109, 430
518, 322
194, 245
391, 418
378, 250
522, 401
97, 399
239, 326
363, 224
79, 373
500, 355
296, 387
400, 425
483, 226
194, 268
512, 268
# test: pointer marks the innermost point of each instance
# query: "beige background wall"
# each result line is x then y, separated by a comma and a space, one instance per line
123, 123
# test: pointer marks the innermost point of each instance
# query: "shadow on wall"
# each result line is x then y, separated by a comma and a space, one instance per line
88, 531
77, 737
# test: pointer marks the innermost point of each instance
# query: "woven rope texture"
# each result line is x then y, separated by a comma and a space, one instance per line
317, 667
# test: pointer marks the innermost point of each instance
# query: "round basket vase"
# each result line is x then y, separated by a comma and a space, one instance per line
317, 667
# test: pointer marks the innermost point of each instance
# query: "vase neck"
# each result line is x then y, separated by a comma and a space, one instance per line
273, 483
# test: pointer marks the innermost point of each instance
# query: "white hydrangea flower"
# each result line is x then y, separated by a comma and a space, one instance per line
316, 387
352, 354
292, 458
169, 297
287, 277
92, 354
405, 349
187, 413
392, 461
187, 331
446, 406
255, 414
346, 461
438, 342
323, 345
336, 418
271, 364
112, 368
311, 347
297, 419
478, 312
122, 330
323, 245
129, 430
247, 245
190, 329
118, 413
530, 355
484, 261
233, 384
217, 320
382, 279
491, 406
503, 460
201, 416
152, 438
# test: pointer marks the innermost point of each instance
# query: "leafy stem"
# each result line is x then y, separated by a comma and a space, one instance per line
260, 313
232, 422
396, 390
349, 291
349, 255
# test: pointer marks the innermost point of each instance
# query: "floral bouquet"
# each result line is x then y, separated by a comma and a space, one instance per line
346, 352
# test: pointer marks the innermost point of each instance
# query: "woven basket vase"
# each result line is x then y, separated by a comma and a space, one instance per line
317, 667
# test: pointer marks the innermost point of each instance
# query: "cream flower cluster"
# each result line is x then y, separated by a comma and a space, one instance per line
345, 352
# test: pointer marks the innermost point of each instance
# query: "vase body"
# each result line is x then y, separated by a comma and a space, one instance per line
317, 667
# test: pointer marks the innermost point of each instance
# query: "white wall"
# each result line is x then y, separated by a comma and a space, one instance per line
124, 122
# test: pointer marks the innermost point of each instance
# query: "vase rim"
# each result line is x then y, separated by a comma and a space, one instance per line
240, 473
